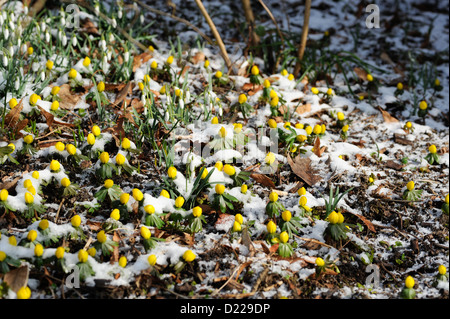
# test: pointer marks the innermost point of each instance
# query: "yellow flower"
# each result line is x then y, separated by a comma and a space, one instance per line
34, 98
229, 170
108, 183
27, 183
291, 77
301, 191
29, 199
299, 126
32, 235
239, 218
49, 65
303, 200
301, 138
43, 224
147, 78
271, 227
101, 237
266, 83
333, 218
86, 62
13, 103
170, 59
272, 123
141, 86
274, 101
162, 90
371, 180
205, 173
59, 253
32, 190
123, 261
145, 232
151, 48
408, 125
270, 158
35, 174
287, 125
273, 197
242, 98
315, 90
82, 255
219, 74
423, 105
409, 282
237, 226
284, 72
369, 77
30, 50
179, 202
60, 146
137, 195
309, 130
361, 97
126, 143
104, 157
330, 91
400, 86
340, 218
101, 86
410, 185
286, 215
284, 237
219, 166
91, 139
222, 132
154, 65
432, 149
75, 221
446, 199
215, 120
115, 214
120, 159
38, 250
340, 116
345, 128
189, 256
164, 193
12, 241
65, 182
28, 139
206, 63
320, 262
149, 209
151, 260
2, 256
317, 129
442, 270
178, 92
72, 74
197, 211
244, 189
124, 198
55, 90
172, 172
91, 252
24, 293
255, 70
96, 130
220, 189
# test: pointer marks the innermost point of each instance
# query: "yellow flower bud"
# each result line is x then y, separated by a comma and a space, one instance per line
317, 129
270, 158
229, 170
124, 198
149, 209
242, 98
271, 227
92, 251
96, 130
49, 65
115, 214
284, 237
126, 143
59, 253
141, 86
286, 215
237, 227
151, 260
291, 77
340, 218
30, 50
137, 195
34, 98
345, 128
104, 157
197, 211
369, 77
409, 282
219, 74
65, 182
410, 185
28, 139
120, 159
400, 86
169, 60
266, 83
164, 193
101, 236
408, 125
423, 105
315, 90
272, 123
244, 189
82, 255
220, 189
330, 91
108, 183
32, 235
303, 200
189, 256
72, 74
145, 232
206, 63
101, 86
43, 224
12, 241
38, 250
13, 103
24, 293
273, 197
179, 202
2, 256
309, 130
274, 101
75, 221
301, 138
446, 199
255, 70
222, 132
333, 218
219, 166
86, 62
215, 120
442, 270
27, 183
172, 172
205, 173
154, 65
284, 72
35, 175
301, 191
123, 261
239, 218
60, 146
91, 139
55, 90
340, 116
432, 149
29, 199
320, 262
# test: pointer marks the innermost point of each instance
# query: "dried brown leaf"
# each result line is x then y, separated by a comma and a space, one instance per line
305, 108
388, 118
302, 168
263, 180
17, 278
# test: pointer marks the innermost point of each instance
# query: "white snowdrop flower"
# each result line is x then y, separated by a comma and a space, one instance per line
114, 23
63, 21
19, 30
126, 56
109, 54
210, 106
103, 44
62, 13
187, 96
60, 34
141, 18
42, 76
11, 49
1, 21
35, 67
24, 48
5, 15
169, 100
25, 10
166, 116
97, 9
5, 61
111, 37
119, 13
47, 37
64, 40
12, 16
143, 98
6, 33
74, 40
43, 26
16, 84
220, 111
11, 25
19, 44
181, 103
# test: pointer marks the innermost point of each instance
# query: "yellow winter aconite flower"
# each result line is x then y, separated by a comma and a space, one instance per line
24, 293
303, 200
237, 127
400, 86
12, 241
49, 64
29, 199
242, 98
222, 132
30, 50
27, 183
124, 198
38, 250
206, 63
82, 255
59, 253
96, 130
239, 218
291, 77
120, 159
408, 125
330, 91
154, 65
149, 209
170, 59
179, 202
423, 105
86, 62
410, 186
151, 260
197, 211
215, 120
255, 70
237, 227
345, 128
219, 165
54, 106
60, 146
188, 256
172, 172
369, 77
299, 126
340, 116
55, 90
204, 174
273, 94
101, 86
371, 180
164, 193
32, 190
272, 123
309, 130
65, 182
104, 157
409, 282
271, 227
220, 189
270, 158
147, 78
320, 262
273, 197
442, 270
35, 174
218, 74
229, 170
101, 236
43, 224
2, 256
91, 139
32, 235
333, 218
437, 82
447, 199
28, 139
115, 214
274, 101
340, 218
432, 149
266, 83
12, 103
108, 183
123, 261
137, 195
301, 138
315, 90
92, 251
286, 215
145, 232
72, 74
244, 189
301, 191
284, 72
317, 129
75, 221
126, 143
284, 237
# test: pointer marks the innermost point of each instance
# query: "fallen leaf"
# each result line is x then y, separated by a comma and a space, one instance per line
388, 118
115, 254
263, 180
401, 139
393, 165
68, 99
89, 27
366, 222
305, 108
317, 149
247, 242
17, 278
198, 57
252, 87
273, 249
302, 168
122, 94
361, 73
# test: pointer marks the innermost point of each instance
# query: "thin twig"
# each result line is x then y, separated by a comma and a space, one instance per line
273, 20
302, 47
226, 282
249, 16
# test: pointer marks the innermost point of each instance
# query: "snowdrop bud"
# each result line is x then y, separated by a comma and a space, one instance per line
16, 84
141, 18
5, 61
105, 61
166, 116
25, 10
119, 13
35, 67
169, 99
63, 20
60, 34
126, 56
181, 104
187, 96
6, 33
47, 37
97, 9
11, 49
43, 26
114, 23
103, 44
109, 54
64, 40
42, 76
74, 41
24, 48
220, 111
11, 25
143, 98
12, 16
